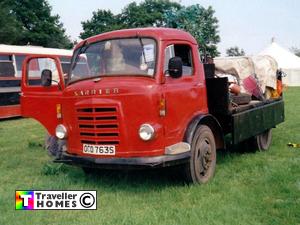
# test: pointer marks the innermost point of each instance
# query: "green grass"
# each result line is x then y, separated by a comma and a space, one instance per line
248, 188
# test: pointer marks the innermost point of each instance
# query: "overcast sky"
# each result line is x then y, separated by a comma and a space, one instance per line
248, 24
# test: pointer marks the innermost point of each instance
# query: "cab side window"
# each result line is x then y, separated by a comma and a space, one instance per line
35, 67
185, 53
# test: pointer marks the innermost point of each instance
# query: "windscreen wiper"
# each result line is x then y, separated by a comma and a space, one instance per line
81, 49
143, 52
75, 58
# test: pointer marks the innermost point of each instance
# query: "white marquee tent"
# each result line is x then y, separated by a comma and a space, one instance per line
287, 61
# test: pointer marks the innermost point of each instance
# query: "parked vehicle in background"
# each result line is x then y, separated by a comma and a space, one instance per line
11, 59
142, 98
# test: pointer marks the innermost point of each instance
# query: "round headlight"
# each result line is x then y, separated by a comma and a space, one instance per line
146, 132
61, 131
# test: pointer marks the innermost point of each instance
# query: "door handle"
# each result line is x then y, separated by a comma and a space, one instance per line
199, 85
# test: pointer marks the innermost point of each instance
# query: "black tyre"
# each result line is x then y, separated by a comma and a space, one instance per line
201, 166
263, 141
94, 171
54, 146
88, 170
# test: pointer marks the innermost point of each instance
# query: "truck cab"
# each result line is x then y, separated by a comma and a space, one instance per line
132, 98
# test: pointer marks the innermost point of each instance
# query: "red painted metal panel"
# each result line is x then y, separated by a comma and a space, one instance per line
10, 111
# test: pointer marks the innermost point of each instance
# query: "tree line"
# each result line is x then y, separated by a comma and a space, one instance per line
30, 22
197, 20
24, 22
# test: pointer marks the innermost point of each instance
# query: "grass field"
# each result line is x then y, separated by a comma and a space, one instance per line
248, 188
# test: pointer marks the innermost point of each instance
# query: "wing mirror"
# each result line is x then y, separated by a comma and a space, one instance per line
46, 78
175, 67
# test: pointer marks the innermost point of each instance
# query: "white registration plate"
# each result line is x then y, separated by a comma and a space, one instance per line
99, 149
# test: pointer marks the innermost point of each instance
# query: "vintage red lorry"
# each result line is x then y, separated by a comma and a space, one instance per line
142, 98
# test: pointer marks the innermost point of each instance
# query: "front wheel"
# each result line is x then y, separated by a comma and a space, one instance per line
88, 170
201, 166
54, 146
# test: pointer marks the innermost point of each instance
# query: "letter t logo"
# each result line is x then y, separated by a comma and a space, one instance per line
25, 199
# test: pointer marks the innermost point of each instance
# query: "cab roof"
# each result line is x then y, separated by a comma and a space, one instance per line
160, 34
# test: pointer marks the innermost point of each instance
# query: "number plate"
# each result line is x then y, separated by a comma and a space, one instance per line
99, 149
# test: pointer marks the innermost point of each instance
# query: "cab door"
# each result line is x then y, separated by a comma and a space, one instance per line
185, 96
38, 101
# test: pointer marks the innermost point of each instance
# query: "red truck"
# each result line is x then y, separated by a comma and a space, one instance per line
141, 98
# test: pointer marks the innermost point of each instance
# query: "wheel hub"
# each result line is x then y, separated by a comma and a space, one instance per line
204, 156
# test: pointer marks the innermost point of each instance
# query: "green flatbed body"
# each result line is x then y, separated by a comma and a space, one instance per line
255, 121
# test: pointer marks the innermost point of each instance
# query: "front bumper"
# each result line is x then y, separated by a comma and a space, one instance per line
134, 162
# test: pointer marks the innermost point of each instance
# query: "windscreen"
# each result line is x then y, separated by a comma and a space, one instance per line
118, 57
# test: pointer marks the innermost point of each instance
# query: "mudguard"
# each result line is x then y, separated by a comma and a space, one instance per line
212, 123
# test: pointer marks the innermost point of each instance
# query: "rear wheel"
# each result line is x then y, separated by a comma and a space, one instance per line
263, 141
201, 166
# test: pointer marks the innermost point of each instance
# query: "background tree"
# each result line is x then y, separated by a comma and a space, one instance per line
200, 22
197, 20
235, 51
146, 14
101, 21
150, 13
9, 26
34, 24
